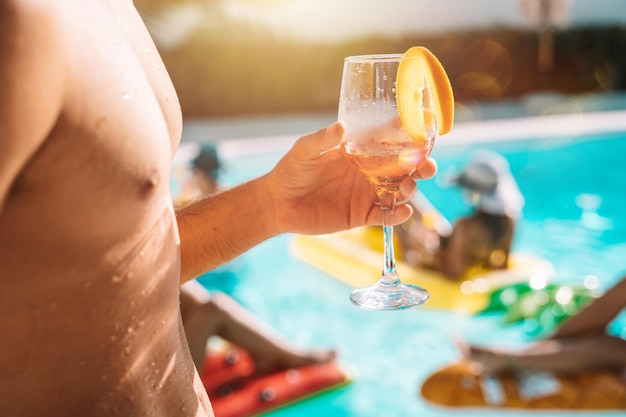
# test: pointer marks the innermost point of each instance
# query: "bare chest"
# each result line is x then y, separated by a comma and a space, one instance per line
103, 171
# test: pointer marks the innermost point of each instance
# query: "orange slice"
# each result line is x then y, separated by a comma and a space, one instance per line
418, 67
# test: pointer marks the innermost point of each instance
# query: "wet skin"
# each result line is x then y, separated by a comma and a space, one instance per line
86, 219
91, 253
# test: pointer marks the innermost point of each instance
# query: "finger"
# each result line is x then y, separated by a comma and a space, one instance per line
408, 188
426, 170
324, 139
401, 213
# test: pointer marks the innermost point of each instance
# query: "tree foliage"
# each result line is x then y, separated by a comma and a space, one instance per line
244, 70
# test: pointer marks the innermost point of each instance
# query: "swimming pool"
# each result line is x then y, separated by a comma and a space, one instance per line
575, 197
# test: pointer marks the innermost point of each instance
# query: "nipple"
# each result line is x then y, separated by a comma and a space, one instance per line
149, 184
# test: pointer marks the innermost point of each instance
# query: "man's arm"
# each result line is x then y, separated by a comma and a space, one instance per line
312, 190
217, 229
31, 70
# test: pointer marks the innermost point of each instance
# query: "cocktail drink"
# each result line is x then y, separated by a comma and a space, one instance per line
390, 108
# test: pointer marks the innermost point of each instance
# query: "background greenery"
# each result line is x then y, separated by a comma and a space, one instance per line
237, 69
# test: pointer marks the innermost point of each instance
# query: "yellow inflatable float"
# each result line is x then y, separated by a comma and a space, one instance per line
456, 385
351, 258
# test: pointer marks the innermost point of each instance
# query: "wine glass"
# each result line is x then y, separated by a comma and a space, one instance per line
380, 148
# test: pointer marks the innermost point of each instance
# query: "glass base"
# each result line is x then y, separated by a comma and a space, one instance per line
389, 297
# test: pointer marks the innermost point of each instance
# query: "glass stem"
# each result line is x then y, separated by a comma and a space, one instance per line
387, 201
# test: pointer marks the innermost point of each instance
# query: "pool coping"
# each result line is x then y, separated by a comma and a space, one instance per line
463, 133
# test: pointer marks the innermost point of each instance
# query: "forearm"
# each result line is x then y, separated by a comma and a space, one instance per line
596, 316
217, 229
311, 190
573, 355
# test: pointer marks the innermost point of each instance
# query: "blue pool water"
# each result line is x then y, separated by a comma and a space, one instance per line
575, 191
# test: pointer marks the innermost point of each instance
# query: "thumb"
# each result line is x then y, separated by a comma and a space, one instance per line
324, 139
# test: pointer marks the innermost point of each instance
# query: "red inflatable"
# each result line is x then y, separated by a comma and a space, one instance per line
235, 392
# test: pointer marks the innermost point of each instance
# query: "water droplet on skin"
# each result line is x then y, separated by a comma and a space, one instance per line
116, 279
158, 66
126, 96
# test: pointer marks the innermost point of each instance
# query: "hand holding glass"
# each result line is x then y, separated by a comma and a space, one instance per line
377, 144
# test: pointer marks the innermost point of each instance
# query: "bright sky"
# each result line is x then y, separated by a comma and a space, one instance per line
332, 19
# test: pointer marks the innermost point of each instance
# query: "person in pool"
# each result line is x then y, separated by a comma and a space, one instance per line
582, 343
206, 314
92, 250
481, 240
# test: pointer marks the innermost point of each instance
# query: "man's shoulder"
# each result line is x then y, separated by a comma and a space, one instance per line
22, 21
25, 11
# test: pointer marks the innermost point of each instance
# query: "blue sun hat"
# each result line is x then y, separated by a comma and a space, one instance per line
492, 188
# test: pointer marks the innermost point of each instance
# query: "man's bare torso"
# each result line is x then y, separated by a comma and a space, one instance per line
89, 256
